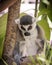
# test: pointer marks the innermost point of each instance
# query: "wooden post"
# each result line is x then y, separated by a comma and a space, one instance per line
36, 8
11, 31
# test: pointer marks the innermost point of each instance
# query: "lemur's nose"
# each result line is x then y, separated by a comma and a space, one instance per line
26, 33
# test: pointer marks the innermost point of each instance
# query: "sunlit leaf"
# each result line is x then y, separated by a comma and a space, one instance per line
3, 21
46, 2
49, 13
43, 23
42, 8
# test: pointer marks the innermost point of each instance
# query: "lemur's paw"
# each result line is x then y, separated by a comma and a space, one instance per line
22, 58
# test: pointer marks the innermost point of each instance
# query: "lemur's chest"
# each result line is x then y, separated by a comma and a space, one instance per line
30, 47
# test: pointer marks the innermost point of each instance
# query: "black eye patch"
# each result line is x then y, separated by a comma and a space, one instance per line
30, 27
23, 28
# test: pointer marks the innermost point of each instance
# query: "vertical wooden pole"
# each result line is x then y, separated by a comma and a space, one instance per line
36, 8
11, 31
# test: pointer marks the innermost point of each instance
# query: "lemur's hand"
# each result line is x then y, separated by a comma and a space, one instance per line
22, 58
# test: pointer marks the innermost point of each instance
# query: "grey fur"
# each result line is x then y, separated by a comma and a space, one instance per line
25, 20
32, 44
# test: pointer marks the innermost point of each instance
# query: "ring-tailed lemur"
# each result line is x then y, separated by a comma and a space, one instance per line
33, 35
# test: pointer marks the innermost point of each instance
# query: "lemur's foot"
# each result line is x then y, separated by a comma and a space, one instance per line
22, 58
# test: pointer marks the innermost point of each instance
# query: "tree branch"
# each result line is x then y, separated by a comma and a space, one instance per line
36, 8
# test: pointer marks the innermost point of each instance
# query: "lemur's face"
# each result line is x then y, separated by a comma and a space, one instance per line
26, 25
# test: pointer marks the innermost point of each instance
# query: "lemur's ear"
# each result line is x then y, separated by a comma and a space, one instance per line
34, 19
17, 21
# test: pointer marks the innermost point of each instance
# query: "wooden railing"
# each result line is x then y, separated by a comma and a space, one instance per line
6, 3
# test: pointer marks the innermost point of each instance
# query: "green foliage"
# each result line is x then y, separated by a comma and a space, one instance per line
3, 21
43, 23
49, 13
46, 2
42, 8
32, 59
46, 8
48, 52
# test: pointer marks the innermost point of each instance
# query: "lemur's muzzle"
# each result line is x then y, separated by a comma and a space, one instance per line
26, 33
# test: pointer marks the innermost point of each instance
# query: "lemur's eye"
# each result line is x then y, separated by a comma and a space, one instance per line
30, 27
23, 28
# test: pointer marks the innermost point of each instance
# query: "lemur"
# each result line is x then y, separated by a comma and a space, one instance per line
32, 33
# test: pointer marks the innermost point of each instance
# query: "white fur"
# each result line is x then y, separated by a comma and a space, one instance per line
29, 47
17, 21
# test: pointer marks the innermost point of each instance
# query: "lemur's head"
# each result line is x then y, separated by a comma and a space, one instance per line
26, 24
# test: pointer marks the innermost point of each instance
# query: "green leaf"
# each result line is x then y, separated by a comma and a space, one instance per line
3, 21
46, 2
48, 54
49, 12
29, 64
43, 23
42, 8
33, 61
45, 9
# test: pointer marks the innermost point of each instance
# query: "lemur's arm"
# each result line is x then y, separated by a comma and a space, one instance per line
16, 53
40, 43
41, 38
40, 32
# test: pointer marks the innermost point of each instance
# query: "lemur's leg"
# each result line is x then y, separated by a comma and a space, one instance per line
23, 49
16, 54
19, 52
